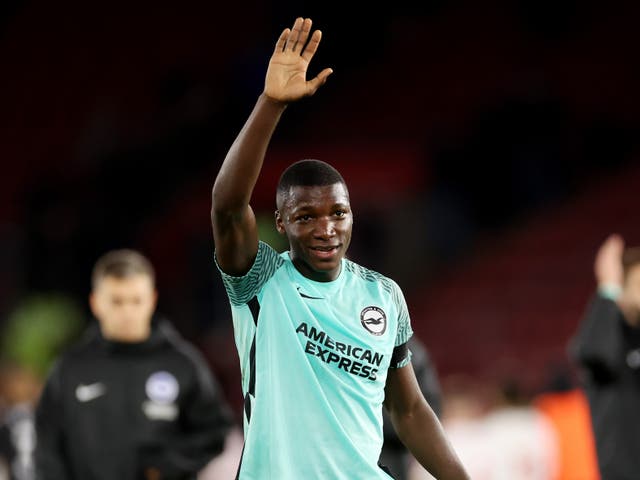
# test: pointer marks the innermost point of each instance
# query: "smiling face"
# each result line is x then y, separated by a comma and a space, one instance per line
317, 222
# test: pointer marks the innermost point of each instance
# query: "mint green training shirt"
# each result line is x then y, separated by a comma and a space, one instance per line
314, 359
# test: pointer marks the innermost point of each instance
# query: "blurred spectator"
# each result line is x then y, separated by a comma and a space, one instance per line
565, 405
225, 465
19, 390
132, 399
394, 454
606, 347
497, 432
523, 443
38, 328
462, 412
35, 331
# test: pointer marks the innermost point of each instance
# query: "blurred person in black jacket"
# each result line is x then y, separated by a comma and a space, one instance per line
606, 348
132, 399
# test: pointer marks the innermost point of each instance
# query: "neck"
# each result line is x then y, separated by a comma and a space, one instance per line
316, 276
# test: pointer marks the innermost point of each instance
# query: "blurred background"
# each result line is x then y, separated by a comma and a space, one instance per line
490, 147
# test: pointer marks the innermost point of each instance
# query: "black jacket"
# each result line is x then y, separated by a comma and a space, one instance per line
110, 410
607, 350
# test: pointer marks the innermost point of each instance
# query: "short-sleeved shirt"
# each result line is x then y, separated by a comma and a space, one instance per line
314, 358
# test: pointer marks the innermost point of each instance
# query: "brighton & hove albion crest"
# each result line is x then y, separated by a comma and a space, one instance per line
374, 320
162, 389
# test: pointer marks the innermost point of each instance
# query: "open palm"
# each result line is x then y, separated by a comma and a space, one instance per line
286, 78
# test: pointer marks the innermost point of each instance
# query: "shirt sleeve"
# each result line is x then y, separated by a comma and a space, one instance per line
598, 343
401, 353
241, 289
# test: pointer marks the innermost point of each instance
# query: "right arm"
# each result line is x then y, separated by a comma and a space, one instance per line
598, 342
419, 428
235, 231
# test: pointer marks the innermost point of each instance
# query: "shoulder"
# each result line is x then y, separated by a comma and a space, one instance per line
241, 289
269, 257
376, 280
373, 276
66, 363
85, 345
183, 348
193, 367
266, 258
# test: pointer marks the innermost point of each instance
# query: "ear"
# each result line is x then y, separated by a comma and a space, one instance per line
279, 223
93, 304
155, 298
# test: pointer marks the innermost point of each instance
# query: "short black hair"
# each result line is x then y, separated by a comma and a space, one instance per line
120, 264
308, 173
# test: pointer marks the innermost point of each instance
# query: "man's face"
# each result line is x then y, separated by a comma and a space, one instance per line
317, 222
124, 307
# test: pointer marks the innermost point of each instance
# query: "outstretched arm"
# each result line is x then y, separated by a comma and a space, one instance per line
611, 280
598, 342
234, 225
418, 426
608, 265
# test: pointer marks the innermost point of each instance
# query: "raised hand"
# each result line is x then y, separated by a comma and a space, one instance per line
608, 264
286, 78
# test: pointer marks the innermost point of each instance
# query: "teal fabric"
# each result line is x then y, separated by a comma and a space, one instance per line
314, 358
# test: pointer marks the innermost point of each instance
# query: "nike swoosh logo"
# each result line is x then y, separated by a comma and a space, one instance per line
304, 295
86, 393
